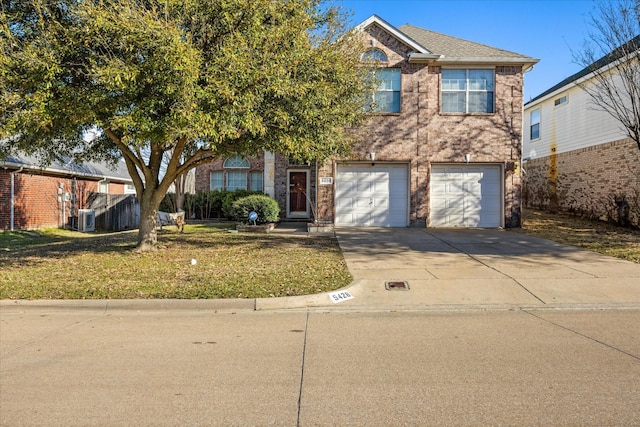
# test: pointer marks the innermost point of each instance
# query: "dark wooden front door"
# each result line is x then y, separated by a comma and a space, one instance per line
297, 190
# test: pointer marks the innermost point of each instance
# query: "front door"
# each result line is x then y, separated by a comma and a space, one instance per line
298, 194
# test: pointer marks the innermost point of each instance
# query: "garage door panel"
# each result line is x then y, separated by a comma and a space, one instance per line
466, 196
379, 195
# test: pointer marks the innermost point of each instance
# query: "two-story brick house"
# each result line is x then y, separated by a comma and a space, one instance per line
441, 148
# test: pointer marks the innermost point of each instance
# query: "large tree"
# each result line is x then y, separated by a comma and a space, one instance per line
193, 78
611, 53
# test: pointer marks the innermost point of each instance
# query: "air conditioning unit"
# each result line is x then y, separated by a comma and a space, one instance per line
86, 220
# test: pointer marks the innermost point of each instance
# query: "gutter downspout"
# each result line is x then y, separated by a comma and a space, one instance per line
13, 196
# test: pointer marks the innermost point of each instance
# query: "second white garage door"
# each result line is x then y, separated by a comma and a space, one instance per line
466, 196
372, 195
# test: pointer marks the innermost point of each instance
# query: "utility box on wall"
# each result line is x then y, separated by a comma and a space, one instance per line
86, 220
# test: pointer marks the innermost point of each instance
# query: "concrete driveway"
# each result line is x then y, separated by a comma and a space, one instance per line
479, 267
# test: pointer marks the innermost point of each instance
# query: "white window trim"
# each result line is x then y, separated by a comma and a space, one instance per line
467, 68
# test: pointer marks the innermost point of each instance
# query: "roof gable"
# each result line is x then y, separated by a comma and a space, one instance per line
404, 38
432, 47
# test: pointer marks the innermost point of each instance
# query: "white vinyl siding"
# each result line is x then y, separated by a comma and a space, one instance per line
574, 125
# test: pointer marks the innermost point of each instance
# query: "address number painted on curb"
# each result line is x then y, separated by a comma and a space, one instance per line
340, 296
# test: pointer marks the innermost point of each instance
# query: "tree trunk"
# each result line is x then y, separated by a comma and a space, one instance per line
179, 185
147, 233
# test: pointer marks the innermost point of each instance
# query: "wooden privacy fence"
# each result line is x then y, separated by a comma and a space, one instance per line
115, 212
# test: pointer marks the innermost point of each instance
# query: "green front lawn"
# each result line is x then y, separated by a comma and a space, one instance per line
63, 264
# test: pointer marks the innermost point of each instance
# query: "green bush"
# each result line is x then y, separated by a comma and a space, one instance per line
207, 204
229, 197
266, 208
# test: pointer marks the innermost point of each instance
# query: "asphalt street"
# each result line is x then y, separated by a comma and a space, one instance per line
163, 366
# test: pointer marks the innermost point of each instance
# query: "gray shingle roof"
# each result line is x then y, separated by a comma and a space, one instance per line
456, 48
89, 170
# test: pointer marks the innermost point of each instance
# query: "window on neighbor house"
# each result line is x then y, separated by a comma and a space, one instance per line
534, 124
103, 187
235, 179
386, 98
467, 91
560, 101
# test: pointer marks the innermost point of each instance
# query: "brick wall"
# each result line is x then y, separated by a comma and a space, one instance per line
36, 199
203, 172
586, 181
420, 134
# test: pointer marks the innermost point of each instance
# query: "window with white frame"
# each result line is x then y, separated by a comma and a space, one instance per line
467, 91
255, 181
236, 176
373, 55
216, 181
560, 101
237, 162
386, 97
103, 186
534, 127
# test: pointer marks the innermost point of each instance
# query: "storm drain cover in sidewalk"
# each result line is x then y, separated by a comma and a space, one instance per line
396, 286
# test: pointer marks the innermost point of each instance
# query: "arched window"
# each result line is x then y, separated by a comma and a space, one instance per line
236, 162
235, 179
373, 55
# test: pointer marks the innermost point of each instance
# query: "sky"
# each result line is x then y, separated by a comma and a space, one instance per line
544, 29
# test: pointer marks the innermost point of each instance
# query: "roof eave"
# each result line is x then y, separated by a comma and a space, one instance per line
526, 63
63, 172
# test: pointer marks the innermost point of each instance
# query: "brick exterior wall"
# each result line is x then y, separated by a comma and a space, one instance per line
587, 181
36, 199
421, 135
203, 172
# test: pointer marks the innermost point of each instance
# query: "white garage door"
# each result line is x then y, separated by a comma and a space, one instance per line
372, 195
466, 196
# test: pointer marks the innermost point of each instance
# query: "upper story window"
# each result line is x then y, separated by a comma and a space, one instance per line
373, 55
386, 98
534, 128
467, 91
560, 101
